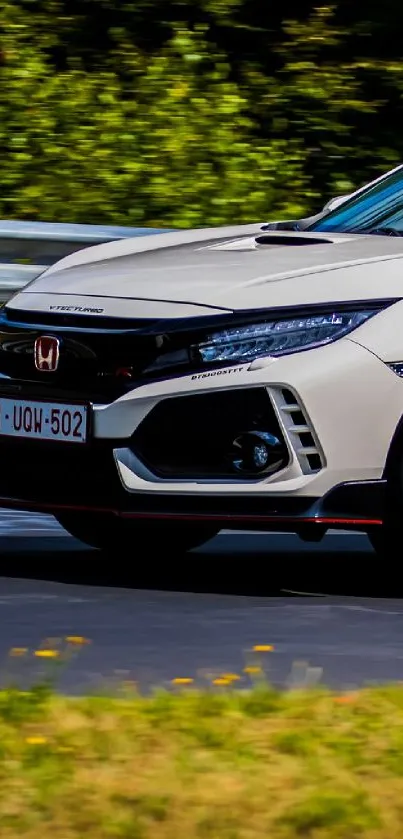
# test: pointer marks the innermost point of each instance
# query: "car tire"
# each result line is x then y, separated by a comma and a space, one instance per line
107, 532
386, 537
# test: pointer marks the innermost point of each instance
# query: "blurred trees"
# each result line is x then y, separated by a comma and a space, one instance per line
193, 112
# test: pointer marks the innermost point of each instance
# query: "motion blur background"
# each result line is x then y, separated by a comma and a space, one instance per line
194, 112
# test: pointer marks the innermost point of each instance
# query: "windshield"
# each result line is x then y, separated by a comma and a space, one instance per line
377, 209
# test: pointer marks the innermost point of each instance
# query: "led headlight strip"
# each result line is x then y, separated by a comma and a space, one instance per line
279, 337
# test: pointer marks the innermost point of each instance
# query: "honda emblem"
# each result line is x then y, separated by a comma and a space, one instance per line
47, 352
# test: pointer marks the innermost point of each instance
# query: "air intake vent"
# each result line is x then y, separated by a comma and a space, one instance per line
299, 430
290, 241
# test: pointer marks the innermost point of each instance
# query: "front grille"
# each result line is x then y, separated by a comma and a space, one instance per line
100, 358
191, 437
100, 364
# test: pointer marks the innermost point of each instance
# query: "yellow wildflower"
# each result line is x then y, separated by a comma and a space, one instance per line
46, 653
182, 681
17, 652
263, 648
252, 671
231, 677
36, 740
221, 682
78, 640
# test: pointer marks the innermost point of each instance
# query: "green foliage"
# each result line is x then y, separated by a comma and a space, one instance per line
117, 112
158, 766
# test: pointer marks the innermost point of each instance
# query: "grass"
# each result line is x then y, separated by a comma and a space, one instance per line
217, 763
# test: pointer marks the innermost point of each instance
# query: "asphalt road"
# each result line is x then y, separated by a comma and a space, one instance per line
202, 615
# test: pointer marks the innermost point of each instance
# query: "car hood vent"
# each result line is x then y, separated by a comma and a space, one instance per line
288, 240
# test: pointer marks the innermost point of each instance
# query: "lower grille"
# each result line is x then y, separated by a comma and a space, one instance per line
192, 436
53, 473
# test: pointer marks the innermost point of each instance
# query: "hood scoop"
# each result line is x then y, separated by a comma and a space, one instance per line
288, 240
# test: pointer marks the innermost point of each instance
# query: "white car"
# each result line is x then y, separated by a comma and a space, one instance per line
165, 387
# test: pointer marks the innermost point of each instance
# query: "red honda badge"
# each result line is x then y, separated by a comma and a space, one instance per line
47, 352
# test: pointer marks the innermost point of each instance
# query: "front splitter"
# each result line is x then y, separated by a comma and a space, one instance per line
357, 505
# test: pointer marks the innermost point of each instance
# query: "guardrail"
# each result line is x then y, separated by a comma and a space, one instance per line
28, 248
15, 277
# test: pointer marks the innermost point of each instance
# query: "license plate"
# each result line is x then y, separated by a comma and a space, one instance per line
43, 420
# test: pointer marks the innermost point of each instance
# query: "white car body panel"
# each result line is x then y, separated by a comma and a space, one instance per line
163, 270
125, 308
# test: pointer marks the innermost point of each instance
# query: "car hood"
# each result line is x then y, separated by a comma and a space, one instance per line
204, 271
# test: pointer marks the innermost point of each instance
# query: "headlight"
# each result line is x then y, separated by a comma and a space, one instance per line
397, 367
280, 336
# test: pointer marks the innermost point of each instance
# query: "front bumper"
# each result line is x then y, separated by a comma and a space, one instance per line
337, 409
35, 477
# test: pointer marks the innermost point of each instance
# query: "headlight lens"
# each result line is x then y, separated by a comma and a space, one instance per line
279, 337
397, 367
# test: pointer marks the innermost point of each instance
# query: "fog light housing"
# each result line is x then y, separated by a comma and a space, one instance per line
258, 452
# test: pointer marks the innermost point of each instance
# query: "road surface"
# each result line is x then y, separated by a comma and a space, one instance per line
197, 616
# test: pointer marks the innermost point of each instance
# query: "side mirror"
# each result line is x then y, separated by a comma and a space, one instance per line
302, 224
334, 203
